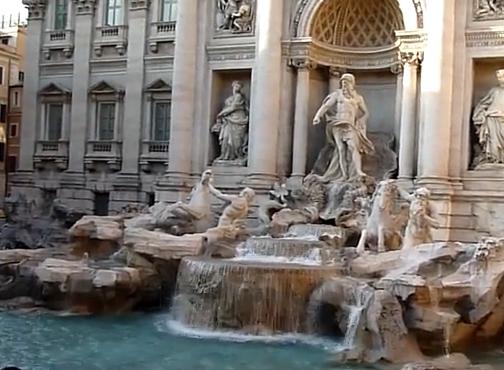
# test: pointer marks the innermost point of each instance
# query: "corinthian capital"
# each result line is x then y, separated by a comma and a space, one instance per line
36, 8
411, 57
303, 63
84, 6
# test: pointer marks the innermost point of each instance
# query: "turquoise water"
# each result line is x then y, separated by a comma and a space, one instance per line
141, 342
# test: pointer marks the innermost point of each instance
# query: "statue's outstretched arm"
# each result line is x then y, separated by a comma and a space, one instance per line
405, 195
221, 195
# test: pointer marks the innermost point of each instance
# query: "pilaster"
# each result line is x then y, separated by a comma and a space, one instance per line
84, 12
266, 95
36, 12
134, 101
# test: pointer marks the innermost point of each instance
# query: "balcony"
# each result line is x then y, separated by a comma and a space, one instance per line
58, 40
51, 151
154, 152
108, 152
115, 36
161, 32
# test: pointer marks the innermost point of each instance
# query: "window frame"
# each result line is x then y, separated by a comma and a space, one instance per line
171, 14
98, 131
58, 6
116, 10
2, 75
47, 120
11, 126
154, 123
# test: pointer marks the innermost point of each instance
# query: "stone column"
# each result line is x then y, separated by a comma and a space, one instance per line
408, 115
84, 11
437, 92
133, 101
35, 33
184, 91
266, 94
301, 119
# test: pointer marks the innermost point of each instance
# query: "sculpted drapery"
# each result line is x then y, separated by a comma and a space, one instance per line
488, 119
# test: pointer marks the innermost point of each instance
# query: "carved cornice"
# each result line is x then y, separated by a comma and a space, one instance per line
231, 52
411, 41
307, 49
139, 4
485, 38
485, 10
83, 7
36, 8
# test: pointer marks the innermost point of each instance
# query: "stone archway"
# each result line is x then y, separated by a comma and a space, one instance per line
412, 14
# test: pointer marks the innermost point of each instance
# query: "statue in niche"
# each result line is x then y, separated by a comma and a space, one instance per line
488, 119
489, 9
234, 15
346, 114
232, 128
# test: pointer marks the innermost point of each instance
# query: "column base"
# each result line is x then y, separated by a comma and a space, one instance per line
260, 181
439, 184
127, 181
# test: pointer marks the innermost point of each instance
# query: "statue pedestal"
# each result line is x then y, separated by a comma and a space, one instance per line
242, 162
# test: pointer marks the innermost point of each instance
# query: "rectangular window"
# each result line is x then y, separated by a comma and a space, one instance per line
16, 99
11, 163
168, 10
114, 13
2, 151
21, 76
5, 41
1, 75
3, 113
101, 204
13, 130
60, 15
54, 121
161, 121
106, 121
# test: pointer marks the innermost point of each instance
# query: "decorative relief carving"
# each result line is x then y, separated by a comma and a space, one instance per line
488, 119
484, 38
303, 64
36, 8
139, 4
84, 6
235, 53
410, 57
235, 16
488, 10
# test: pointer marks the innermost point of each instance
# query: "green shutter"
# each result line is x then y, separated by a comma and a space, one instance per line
61, 12
106, 122
162, 121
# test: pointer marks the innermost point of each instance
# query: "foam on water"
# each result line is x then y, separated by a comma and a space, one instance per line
177, 328
309, 261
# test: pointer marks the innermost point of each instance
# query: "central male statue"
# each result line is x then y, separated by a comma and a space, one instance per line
345, 113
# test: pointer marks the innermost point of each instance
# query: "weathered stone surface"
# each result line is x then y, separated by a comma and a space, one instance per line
455, 361
98, 227
163, 246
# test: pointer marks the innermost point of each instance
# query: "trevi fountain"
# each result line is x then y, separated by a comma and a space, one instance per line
353, 264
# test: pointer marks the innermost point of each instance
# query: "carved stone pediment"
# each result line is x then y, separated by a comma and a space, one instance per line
54, 89
485, 10
105, 88
36, 8
159, 86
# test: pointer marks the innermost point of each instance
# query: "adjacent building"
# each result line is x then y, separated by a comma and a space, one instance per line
124, 100
12, 40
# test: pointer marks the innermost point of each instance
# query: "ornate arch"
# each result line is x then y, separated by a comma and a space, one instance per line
412, 13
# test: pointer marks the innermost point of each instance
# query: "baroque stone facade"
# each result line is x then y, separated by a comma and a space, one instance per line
117, 112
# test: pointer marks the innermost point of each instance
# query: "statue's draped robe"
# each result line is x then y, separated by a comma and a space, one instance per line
233, 129
488, 118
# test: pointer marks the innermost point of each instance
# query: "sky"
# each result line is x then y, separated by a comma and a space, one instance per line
8, 7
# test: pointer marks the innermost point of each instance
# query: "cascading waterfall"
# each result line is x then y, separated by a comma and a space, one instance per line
263, 290
362, 299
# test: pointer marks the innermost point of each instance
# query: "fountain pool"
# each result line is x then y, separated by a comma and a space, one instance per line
138, 342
